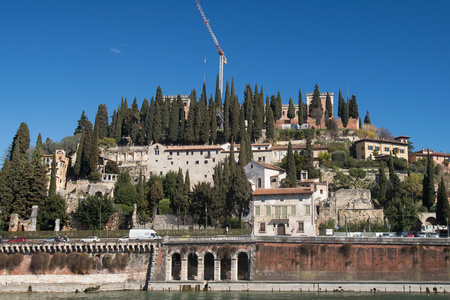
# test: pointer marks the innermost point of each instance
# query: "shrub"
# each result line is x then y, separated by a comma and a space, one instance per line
58, 261
339, 156
3, 261
80, 263
14, 261
122, 260
107, 261
95, 176
39, 263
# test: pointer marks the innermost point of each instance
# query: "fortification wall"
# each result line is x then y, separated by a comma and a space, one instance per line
351, 262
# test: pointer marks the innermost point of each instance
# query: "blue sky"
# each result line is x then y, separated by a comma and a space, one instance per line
59, 58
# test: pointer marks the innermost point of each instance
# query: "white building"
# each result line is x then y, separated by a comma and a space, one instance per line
264, 176
286, 211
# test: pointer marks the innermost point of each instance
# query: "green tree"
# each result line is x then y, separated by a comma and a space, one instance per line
300, 108
291, 110
179, 202
442, 205
95, 211
54, 208
357, 174
189, 132
125, 192
52, 188
345, 114
213, 120
38, 185
234, 113
341, 107
199, 200
291, 172
316, 103
394, 179
367, 118
270, 126
382, 185
428, 192
258, 115
328, 107
240, 193
156, 194
226, 113
218, 95
81, 123
101, 121
353, 108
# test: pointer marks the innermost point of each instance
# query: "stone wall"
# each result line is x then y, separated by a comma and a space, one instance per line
351, 262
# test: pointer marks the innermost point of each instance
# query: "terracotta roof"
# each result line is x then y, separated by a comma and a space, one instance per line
283, 147
185, 148
380, 141
432, 154
286, 191
269, 166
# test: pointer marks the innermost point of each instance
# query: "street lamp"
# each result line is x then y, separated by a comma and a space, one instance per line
446, 218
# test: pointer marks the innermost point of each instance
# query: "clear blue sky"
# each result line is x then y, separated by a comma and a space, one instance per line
59, 58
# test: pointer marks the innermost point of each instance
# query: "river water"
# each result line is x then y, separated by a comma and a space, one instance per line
142, 295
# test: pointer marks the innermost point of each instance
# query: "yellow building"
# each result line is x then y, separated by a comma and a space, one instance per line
62, 163
368, 148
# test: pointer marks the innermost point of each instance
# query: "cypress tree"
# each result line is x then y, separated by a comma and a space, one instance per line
174, 122
135, 118
21, 201
218, 96
213, 120
165, 118
315, 107
101, 121
442, 205
189, 131
181, 119
328, 107
300, 108
205, 126
395, 181
240, 193
428, 192
353, 108
291, 172
367, 118
86, 163
54, 208
52, 188
270, 128
341, 107
149, 121
157, 126
93, 158
258, 115
234, 113
77, 166
360, 124
21, 141
113, 126
232, 161
248, 108
226, 114
279, 105
291, 110
6, 193
81, 124
143, 112
38, 186
345, 114
242, 153
242, 130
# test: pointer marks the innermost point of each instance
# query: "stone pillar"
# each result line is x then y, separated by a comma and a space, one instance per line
200, 268
217, 269
234, 269
184, 268
33, 218
169, 268
57, 225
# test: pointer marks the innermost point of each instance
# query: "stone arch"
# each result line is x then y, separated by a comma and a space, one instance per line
176, 265
209, 258
192, 265
431, 221
243, 265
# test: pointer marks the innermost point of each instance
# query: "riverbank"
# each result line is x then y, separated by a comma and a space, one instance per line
121, 282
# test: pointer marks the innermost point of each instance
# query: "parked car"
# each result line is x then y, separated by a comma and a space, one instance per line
410, 234
433, 235
420, 234
90, 239
52, 239
17, 240
124, 239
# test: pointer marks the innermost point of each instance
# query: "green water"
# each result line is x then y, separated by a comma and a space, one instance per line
141, 295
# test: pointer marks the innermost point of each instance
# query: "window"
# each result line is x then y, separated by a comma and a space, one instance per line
197, 162
217, 151
257, 211
307, 210
259, 182
170, 153
206, 162
321, 192
268, 211
301, 227
362, 147
386, 149
262, 227
192, 152
206, 176
160, 173
377, 148
300, 197
201, 152
263, 198
370, 147
187, 162
187, 152
282, 197
171, 163
214, 159
178, 153
403, 151
293, 210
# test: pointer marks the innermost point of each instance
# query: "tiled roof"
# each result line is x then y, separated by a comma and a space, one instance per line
284, 147
381, 141
186, 148
286, 191
269, 166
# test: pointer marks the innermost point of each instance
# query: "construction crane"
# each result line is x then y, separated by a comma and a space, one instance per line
223, 59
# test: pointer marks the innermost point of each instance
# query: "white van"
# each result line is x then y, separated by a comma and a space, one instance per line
143, 235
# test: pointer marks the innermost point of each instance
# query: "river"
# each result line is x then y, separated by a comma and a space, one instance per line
142, 295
